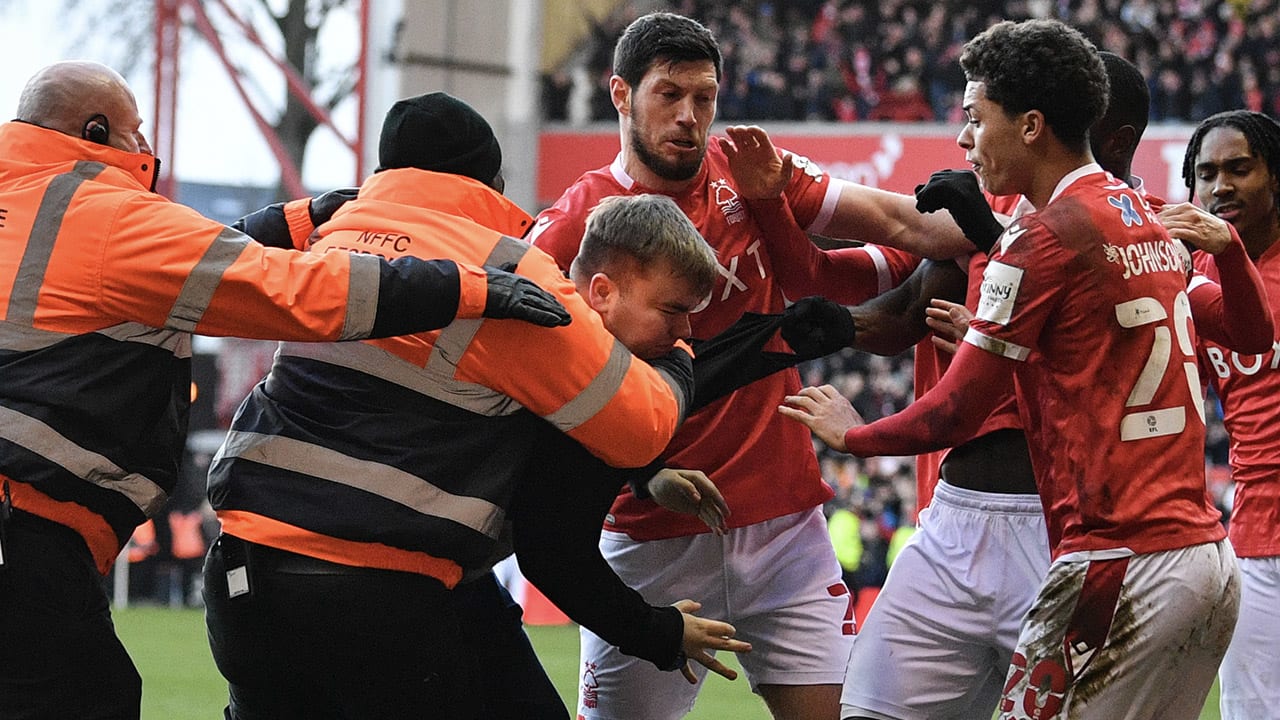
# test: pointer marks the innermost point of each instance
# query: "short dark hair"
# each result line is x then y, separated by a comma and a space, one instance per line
662, 38
1260, 131
1041, 65
1129, 99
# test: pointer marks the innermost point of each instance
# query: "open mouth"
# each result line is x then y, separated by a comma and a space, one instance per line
1226, 212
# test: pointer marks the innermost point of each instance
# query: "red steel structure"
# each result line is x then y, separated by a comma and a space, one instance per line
169, 18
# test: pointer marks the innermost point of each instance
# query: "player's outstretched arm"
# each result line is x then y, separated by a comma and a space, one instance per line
944, 417
848, 275
891, 219
701, 635
825, 411
892, 322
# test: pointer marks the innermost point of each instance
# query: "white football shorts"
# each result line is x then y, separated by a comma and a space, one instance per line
1115, 636
938, 640
777, 582
1250, 672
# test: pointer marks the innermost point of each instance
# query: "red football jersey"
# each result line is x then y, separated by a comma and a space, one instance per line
763, 463
930, 363
1249, 388
1090, 294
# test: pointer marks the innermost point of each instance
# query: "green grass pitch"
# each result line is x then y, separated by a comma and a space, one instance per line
180, 682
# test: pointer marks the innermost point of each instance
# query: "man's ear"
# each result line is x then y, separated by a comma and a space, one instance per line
1124, 141
602, 293
620, 93
1033, 126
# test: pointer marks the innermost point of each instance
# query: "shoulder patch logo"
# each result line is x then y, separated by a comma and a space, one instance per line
1000, 284
807, 166
1011, 233
1128, 213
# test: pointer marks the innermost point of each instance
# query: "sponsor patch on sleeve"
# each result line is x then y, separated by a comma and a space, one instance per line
806, 166
1000, 285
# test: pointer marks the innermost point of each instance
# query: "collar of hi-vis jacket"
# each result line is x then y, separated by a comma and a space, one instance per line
452, 194
42, 146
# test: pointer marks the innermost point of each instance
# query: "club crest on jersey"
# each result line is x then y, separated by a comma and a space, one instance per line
727, 200
590, 686
1000, 285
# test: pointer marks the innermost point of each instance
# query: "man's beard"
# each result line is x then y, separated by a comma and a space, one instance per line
663, 169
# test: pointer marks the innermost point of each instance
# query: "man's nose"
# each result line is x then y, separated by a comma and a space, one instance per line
685, 114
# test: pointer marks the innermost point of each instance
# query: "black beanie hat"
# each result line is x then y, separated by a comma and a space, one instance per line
439, 132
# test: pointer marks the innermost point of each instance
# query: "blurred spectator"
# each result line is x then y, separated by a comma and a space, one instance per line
850, 60
846, 537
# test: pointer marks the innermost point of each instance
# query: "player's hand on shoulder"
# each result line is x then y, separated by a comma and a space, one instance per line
701, 635
1193, 224
758, 171
824, 411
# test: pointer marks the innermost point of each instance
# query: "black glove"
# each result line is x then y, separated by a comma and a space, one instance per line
518, 298
323, 206
815, 326
958, 192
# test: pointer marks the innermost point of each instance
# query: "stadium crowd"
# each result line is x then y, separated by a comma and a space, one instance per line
895, 60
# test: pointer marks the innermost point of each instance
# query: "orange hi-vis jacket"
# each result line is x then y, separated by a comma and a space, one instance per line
102, 284
403, 454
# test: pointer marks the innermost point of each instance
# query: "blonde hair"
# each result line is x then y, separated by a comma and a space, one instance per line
640, 231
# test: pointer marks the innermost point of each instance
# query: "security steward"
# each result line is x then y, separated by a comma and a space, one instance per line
363, 489
102, 284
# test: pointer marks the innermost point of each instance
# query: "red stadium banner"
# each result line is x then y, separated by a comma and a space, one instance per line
890, 156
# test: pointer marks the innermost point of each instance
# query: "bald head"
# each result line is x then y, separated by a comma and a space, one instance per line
66, 96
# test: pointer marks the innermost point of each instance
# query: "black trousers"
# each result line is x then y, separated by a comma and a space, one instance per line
59, 654
317, 640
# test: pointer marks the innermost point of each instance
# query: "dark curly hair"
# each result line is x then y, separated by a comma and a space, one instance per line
1260, 131
662, 37
1041, 65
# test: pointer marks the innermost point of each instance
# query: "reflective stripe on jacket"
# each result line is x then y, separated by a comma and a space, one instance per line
403, 453
102, 284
